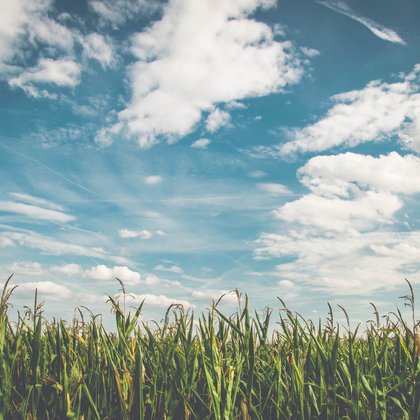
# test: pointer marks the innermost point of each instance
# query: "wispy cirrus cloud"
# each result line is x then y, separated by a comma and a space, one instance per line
40, 209
380, 31
37, 201
51, 246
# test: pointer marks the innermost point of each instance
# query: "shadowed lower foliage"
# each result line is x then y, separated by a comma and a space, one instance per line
215, 367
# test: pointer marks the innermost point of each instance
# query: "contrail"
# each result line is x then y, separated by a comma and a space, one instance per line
10, 150
380, 31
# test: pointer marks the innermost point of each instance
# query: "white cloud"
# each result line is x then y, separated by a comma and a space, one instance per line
26, 267
287, 284
367, 210
97, 47
352, 192
170, 269
104, 273
257, 174
340, 234
62, 72
42, 202
345, 264
49, 289
29, 29
201, 144
117, 12
53, 247
217, 119
274, 189
23, 21
380, 31
129, 234
153, 179
67, 269
4, 242
374, 113
151, 279
213, 294
197, 56
235, 105
35, 212
310, 52
160, 300
345, 173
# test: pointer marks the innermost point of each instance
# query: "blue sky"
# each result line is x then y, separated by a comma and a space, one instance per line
193, 147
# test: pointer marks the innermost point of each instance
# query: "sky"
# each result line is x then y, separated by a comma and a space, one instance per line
193, 147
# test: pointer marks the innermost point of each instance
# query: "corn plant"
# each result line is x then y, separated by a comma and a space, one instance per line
216, 366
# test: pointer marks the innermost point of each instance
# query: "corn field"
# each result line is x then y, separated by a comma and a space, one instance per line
213, 367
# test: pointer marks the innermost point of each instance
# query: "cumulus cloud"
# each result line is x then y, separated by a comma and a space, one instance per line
160, 300
353, 192
363, 212
197, 56
129, 234
201, 144
26, 267
379, 30
170, 269
60, 72
374, 113
4, 242
273, 188
67, 269
344, 173
24, 21
153, 179
214, 294
337, 234
117, 12
217, 119
104, 273
344, 264
49, 289
97, 47
310, 52
32, 28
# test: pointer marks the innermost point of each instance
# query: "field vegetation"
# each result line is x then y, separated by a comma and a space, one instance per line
215, 366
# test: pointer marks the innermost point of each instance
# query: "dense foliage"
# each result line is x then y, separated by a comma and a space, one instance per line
221, 367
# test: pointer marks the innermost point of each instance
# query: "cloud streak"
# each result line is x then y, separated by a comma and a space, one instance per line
379, 30
34, 211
